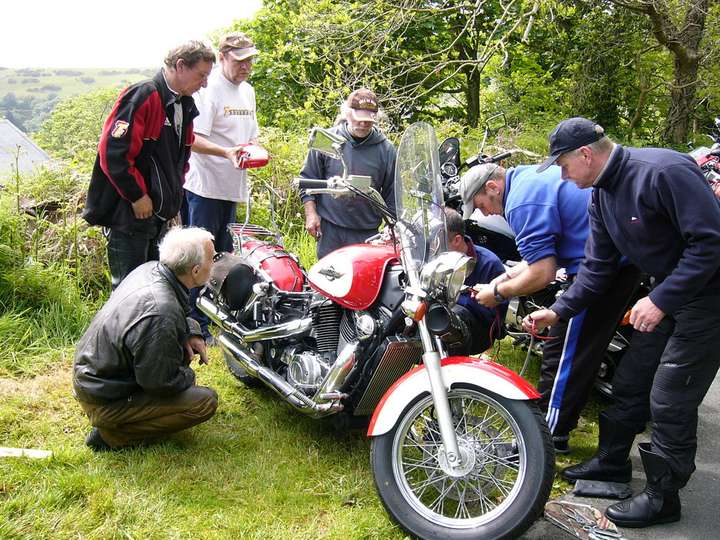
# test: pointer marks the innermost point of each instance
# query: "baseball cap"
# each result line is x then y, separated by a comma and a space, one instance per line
363, 105
569, 135
238, 45
471, 182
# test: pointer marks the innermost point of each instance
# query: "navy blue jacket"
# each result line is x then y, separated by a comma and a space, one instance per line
487, 267
653, 206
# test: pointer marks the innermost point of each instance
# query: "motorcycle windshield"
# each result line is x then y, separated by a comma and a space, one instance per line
418, 193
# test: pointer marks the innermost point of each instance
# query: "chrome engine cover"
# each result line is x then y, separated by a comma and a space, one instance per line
306, 369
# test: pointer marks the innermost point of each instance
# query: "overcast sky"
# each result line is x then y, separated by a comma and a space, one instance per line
97, 33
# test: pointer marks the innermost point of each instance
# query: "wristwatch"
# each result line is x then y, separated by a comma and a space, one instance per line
499, 298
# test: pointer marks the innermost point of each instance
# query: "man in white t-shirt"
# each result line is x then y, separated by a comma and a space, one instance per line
227, 121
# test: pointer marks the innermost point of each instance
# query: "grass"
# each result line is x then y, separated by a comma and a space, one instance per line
256, 470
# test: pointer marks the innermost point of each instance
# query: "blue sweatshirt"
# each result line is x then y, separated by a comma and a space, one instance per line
373, 156
655, 207
487, 267
548, 215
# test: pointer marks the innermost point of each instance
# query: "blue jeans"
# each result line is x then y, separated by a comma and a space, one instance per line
213, 215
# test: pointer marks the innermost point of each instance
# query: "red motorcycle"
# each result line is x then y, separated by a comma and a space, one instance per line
709, 159
459, 448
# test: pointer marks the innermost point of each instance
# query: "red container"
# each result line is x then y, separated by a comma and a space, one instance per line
253, 156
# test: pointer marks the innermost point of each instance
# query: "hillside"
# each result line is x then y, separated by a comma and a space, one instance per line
28, 96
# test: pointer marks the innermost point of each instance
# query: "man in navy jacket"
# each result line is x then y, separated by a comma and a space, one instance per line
485, 324
654, 207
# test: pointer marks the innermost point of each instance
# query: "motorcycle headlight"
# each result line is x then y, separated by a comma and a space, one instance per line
443, 277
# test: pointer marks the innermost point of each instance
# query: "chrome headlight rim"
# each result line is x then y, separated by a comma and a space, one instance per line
443, 277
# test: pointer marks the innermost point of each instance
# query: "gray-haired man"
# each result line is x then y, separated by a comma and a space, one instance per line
132, 372
654, 207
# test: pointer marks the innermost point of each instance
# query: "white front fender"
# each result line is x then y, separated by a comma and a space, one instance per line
455, 369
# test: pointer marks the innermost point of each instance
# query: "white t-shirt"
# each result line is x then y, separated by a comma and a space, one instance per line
227, 117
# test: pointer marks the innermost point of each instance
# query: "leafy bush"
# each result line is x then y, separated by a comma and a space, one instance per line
73, 129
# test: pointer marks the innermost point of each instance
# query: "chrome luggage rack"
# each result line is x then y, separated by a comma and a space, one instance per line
240, 229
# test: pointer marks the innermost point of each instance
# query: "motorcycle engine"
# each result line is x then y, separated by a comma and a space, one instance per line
306, 369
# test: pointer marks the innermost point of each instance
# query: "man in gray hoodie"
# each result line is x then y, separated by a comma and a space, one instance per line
337, 222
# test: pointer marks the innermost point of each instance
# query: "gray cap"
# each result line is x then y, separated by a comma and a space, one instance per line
471, 182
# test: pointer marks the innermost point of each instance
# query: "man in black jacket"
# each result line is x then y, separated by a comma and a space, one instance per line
137, 181
132, 372
654, 207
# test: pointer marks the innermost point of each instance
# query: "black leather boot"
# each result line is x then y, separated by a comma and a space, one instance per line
658, 503
611, 462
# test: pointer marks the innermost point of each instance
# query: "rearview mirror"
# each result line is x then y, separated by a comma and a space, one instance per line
326, 142
449, 153
363, 183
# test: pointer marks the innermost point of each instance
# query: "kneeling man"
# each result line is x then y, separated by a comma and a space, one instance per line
132, 372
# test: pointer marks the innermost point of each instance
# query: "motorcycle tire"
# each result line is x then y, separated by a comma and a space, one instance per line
491, 459
239, 372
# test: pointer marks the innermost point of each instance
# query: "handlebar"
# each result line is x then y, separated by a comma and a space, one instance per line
307, 183
499, 157
476, 160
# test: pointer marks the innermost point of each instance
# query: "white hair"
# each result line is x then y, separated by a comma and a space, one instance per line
183, 247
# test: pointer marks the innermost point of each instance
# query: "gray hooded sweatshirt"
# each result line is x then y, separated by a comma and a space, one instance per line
373, 156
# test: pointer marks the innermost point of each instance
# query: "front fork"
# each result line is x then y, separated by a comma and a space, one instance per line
431, 358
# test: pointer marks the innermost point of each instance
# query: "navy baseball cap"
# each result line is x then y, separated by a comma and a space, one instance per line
569, 135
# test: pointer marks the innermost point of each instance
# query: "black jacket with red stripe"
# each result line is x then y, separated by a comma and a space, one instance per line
140, 153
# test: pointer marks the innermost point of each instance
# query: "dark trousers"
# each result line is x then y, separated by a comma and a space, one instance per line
334, 237
664, 376
213, 215
143, 417
570, 361
127, 251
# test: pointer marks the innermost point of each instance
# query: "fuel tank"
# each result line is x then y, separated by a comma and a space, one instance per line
280, 267
352, 275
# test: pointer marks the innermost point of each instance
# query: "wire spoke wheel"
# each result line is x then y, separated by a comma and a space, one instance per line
496, 485
492, 466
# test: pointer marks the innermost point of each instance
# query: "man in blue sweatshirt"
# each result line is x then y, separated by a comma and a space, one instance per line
337, 222
550, 220
654, 207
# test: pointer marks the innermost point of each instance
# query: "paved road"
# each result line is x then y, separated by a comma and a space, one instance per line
700, 498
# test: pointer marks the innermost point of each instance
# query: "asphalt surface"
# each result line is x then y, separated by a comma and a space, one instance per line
700, 498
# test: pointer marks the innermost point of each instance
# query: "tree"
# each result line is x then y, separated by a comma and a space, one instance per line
679, 27
72, 131
424, 57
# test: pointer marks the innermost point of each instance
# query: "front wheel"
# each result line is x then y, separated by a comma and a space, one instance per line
498, 490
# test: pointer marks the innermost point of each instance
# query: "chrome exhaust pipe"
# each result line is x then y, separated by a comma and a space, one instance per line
275, 382
338, 373
226, 321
